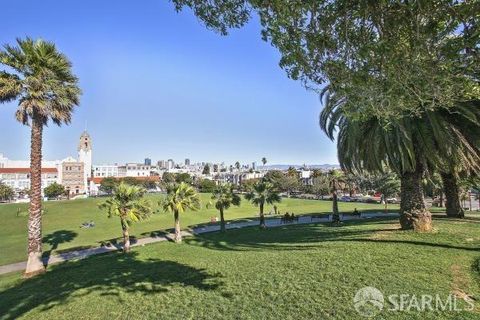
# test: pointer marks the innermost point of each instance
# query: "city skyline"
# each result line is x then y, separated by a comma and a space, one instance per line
233, 101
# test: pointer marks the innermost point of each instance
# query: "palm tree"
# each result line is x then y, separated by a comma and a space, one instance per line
128, 204
455, 165
336, 181
261, 193
237, 165
223, 198
264, 162
408, 146
43, 84
180, 197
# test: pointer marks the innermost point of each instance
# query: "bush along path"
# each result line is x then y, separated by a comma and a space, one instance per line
272, 222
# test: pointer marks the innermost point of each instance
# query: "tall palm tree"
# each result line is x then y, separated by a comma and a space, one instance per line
43, 84
336, 181
223, 197
261, 193
237, 165
128, 204
180, 197
408, 146
264, 162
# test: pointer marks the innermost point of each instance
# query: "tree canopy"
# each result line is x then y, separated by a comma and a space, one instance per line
388, 57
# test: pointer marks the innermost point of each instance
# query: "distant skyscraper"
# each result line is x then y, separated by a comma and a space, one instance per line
170, 164
254, 165
187, 162
161, 164
147, 162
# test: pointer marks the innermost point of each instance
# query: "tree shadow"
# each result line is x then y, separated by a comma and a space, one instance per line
112, 275
310, 236
54, 240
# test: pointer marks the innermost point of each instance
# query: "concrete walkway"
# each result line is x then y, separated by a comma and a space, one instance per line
270, 222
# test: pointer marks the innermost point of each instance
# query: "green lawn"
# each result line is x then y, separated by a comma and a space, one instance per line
62, 220
292, 272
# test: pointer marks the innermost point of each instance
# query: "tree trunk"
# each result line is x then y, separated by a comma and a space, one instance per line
335, 213
126, 236
178, 232
413, 212
441, 200
452, 193
34, 262
262, 218
222, 221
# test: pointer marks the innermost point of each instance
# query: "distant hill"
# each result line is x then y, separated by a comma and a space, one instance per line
308, 166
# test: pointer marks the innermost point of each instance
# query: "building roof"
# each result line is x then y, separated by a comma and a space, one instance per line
26, 170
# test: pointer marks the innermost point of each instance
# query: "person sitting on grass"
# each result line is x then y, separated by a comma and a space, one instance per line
293, 217
355, 212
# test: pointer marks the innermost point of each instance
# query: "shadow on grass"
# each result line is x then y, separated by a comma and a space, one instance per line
110, 275
56, 238
310, 236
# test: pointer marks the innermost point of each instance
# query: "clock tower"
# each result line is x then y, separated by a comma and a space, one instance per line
85, 156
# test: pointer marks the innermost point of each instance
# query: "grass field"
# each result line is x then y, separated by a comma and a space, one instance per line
62, 220
294, 272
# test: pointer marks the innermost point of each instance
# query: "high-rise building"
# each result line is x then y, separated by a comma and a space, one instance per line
161, 164
187, 162
85, 155
147, 162
254, 165
170, 164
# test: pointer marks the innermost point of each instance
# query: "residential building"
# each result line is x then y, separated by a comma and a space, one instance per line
147, 162
103, 171
138, 170
19, 178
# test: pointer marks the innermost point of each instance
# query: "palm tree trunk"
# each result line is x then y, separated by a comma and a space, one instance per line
126, 237
222, 221
34, 263
178, 232
413, 212
335, 214
452, 193
262, 218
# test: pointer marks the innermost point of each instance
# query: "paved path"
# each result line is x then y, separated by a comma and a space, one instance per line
270, 222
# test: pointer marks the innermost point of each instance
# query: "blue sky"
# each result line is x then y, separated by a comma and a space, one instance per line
159, 84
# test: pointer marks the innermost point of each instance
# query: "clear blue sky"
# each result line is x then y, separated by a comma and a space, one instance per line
159, 84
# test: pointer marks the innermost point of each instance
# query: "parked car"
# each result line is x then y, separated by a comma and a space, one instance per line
393, 200
345, 199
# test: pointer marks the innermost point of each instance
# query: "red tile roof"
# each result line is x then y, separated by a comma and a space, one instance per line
26, 170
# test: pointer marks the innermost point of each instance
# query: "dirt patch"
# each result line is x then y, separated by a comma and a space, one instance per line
460, 284
385, 232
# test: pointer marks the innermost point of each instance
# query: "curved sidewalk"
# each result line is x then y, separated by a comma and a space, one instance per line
270, 222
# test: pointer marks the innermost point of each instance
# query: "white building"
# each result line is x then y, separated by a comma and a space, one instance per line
19, 178
138, 170
103, 171
170, 164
